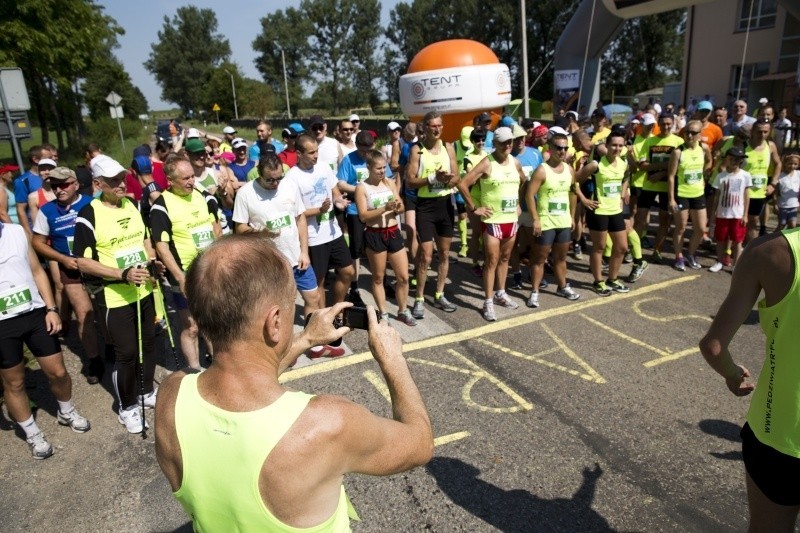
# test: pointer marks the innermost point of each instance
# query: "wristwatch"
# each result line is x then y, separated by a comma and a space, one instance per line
53, 309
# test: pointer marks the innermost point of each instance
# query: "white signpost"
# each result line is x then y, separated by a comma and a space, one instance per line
116, 112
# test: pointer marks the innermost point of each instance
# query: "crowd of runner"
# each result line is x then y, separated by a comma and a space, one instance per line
112, 245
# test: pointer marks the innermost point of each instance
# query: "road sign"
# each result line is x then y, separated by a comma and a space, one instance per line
216, 108
21, 125
113, 98
14, 88
116, 112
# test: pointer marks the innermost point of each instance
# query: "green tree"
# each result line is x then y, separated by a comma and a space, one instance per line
106, 76
289, 30
54, 51
185, 55
344, 37
647, 53
218, 90
258, 99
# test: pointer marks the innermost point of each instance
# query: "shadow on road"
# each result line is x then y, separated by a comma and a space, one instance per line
724, 430
518, 510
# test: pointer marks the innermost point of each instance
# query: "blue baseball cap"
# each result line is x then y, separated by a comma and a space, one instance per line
141, 165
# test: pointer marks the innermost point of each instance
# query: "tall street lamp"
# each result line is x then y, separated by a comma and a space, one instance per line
233, 86
285, 82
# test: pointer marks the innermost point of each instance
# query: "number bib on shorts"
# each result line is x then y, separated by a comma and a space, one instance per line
16, 300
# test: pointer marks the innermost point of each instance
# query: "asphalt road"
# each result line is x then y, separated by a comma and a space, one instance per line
592, 415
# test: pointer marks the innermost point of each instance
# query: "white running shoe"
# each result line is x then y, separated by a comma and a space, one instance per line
149, 399
78, 423
39, 446
716, 267
131, 418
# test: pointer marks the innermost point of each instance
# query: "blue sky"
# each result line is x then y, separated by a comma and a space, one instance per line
239, 21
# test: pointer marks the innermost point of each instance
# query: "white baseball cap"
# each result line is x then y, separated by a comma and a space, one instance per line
393, 126
354, 117
228, 129
104, 167
193, 134
503, 134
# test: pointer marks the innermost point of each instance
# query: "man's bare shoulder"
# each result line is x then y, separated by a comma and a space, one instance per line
330, 414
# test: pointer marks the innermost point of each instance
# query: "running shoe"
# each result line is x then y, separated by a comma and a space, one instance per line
604, 265
418, 311
600, 288
149, 399
75, 421
617, 286
533, 300
444, 304
488, 311
543, 284
692, 262
568, 293
727, 260
463, 251
383, 317
354, 296
505, 300
679, 264
325, 351
628, 257
716, 267
637, 271
577, 253
131, 418
657, 257
39, 446
517, 284
406, 318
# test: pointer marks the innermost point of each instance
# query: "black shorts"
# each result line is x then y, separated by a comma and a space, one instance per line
770, 469
68, 276
755, 207
691, 203
554, 236
384, 239
28, 328
648, 199
435, 218
610, 223
355, 230
331, 254
410, 202
635, 191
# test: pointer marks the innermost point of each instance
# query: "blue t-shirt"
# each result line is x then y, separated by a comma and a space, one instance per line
353, 170
26, 184
405, 151
530, 158
255, 149
61, 222
240, 171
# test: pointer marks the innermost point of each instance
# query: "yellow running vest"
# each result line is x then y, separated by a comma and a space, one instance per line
689, 177
500, 191
192, 225
428, 165
637, 147
119, 235
658, 150
608, 185
774, 414
223, 453
552, 201
757, 164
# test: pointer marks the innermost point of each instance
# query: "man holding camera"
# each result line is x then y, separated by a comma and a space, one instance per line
290, 448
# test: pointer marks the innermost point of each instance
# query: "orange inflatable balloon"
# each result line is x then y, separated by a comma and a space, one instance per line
459, 78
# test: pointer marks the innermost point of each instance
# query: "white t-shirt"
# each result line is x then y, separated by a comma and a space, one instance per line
731, 193
346, 149
328, 151
275, 210
18, 292
789, 189
315, 185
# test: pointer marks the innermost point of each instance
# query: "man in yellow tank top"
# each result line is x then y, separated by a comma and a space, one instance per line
433, 172
764, 165
771, 436
279, 455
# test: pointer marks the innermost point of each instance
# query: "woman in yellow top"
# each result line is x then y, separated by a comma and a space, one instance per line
379, 204
686, 192
604, 212
501, 178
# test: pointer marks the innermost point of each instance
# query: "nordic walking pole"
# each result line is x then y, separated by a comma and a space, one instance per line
141, 356
160, 294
